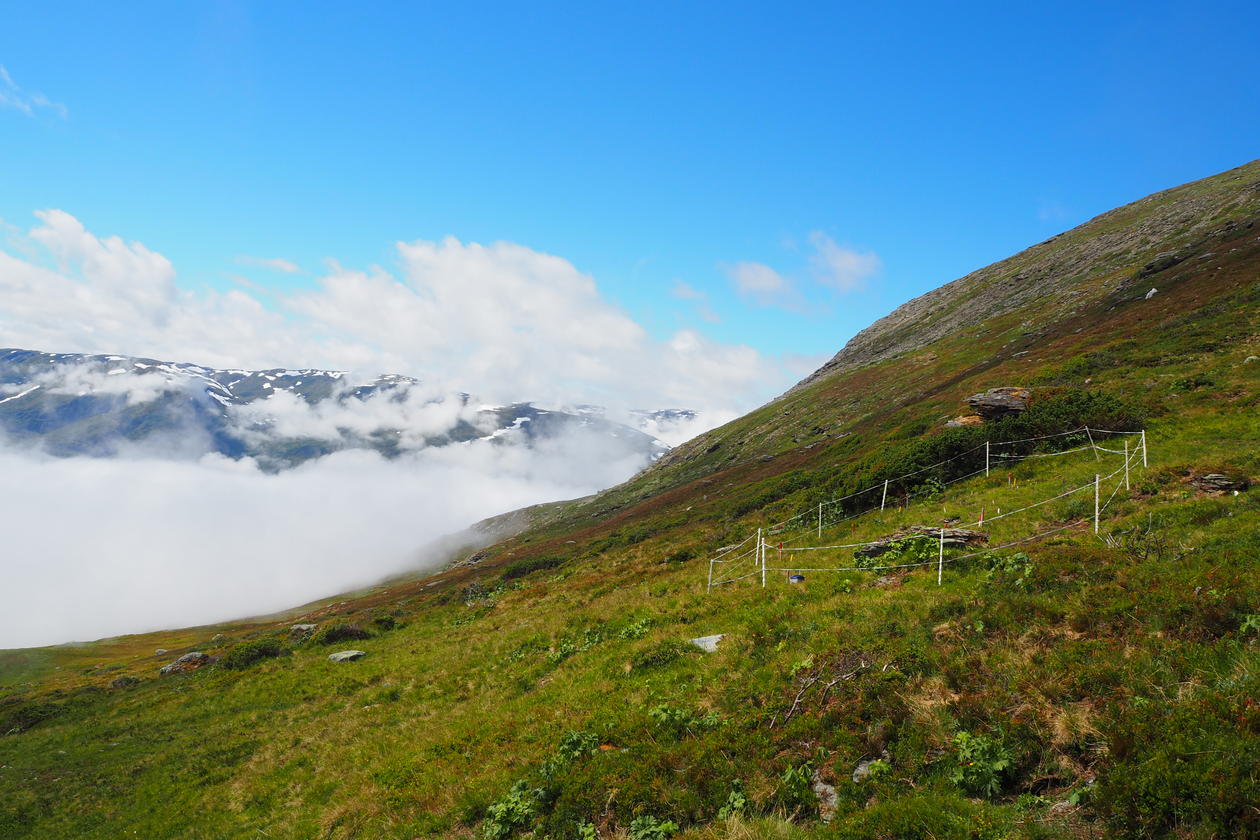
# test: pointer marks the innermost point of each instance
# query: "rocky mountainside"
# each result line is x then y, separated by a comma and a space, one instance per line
1120, 255
75, 404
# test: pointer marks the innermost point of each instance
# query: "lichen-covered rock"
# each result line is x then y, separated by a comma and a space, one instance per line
302, 629
346, 655
828, 799
996, 403
1219, 483
187, 662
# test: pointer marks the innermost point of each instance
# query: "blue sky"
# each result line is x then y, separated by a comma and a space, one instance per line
666, 150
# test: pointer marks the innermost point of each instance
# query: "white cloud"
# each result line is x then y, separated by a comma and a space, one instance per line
502, 321
12, 96
273, 263
763, 286
685, 291
843, 269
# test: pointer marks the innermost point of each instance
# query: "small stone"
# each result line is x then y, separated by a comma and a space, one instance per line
1251, 360
708, 644
160, 652
302, 629
828, 800
187, 662
1151, 293
863, 768
346, 655
124, 682
216, 638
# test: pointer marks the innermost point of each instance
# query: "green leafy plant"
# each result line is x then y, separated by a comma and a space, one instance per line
736, 802
511, 813
648, 827
796, 787
981, 764
682, 722
1011, 570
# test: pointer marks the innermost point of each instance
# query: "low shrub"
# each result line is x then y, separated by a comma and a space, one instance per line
339, 632
521, 568
245, 654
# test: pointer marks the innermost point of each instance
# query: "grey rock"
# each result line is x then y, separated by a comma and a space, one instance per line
1251, 360
1219, 483
187, 662
302, 629
346, 655
124, 682
708, 644
863, 769
1152, 293
217, 637
160, 652
828, 800
996, 403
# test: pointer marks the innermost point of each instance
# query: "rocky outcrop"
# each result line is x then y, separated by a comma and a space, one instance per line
997, 403
1219, 483
954, 538
1064, 273
187, 662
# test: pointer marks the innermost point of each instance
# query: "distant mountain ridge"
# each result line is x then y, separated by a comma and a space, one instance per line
81, 404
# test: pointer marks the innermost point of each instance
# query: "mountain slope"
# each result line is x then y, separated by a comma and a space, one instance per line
1073, 686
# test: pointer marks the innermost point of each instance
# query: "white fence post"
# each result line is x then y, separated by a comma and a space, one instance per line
1144, 448
986, 459
1126, 464
884, 497
820, 520
709, 588
940, 559
761, 551
1096, 482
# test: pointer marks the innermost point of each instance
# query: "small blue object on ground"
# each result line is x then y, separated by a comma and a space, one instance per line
796, 579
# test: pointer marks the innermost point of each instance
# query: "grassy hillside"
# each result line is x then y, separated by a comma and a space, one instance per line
1072, 686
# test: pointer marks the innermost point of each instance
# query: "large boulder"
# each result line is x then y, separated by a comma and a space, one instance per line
187, 662
997, 403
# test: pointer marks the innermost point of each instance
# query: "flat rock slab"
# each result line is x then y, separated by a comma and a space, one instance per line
1219, 483
347, 655
708, 644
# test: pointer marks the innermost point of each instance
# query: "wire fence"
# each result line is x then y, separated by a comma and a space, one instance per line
726, 565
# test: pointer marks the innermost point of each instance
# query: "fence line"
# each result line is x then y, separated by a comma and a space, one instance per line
758, 553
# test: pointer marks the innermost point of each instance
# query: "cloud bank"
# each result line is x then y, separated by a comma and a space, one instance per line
97, 547
502, 321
